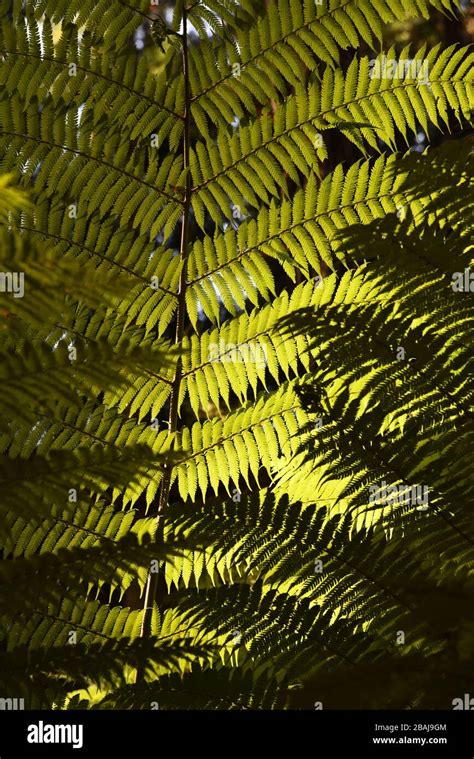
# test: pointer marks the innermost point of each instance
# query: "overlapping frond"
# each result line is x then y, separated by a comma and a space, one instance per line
282, 49
225, 366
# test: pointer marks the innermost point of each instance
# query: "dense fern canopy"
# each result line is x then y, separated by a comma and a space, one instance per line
236, 407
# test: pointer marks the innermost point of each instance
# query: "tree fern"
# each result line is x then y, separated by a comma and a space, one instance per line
201, 384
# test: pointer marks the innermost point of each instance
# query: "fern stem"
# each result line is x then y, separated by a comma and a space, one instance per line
153, 577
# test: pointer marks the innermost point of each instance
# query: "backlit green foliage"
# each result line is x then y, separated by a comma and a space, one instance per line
203, 379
